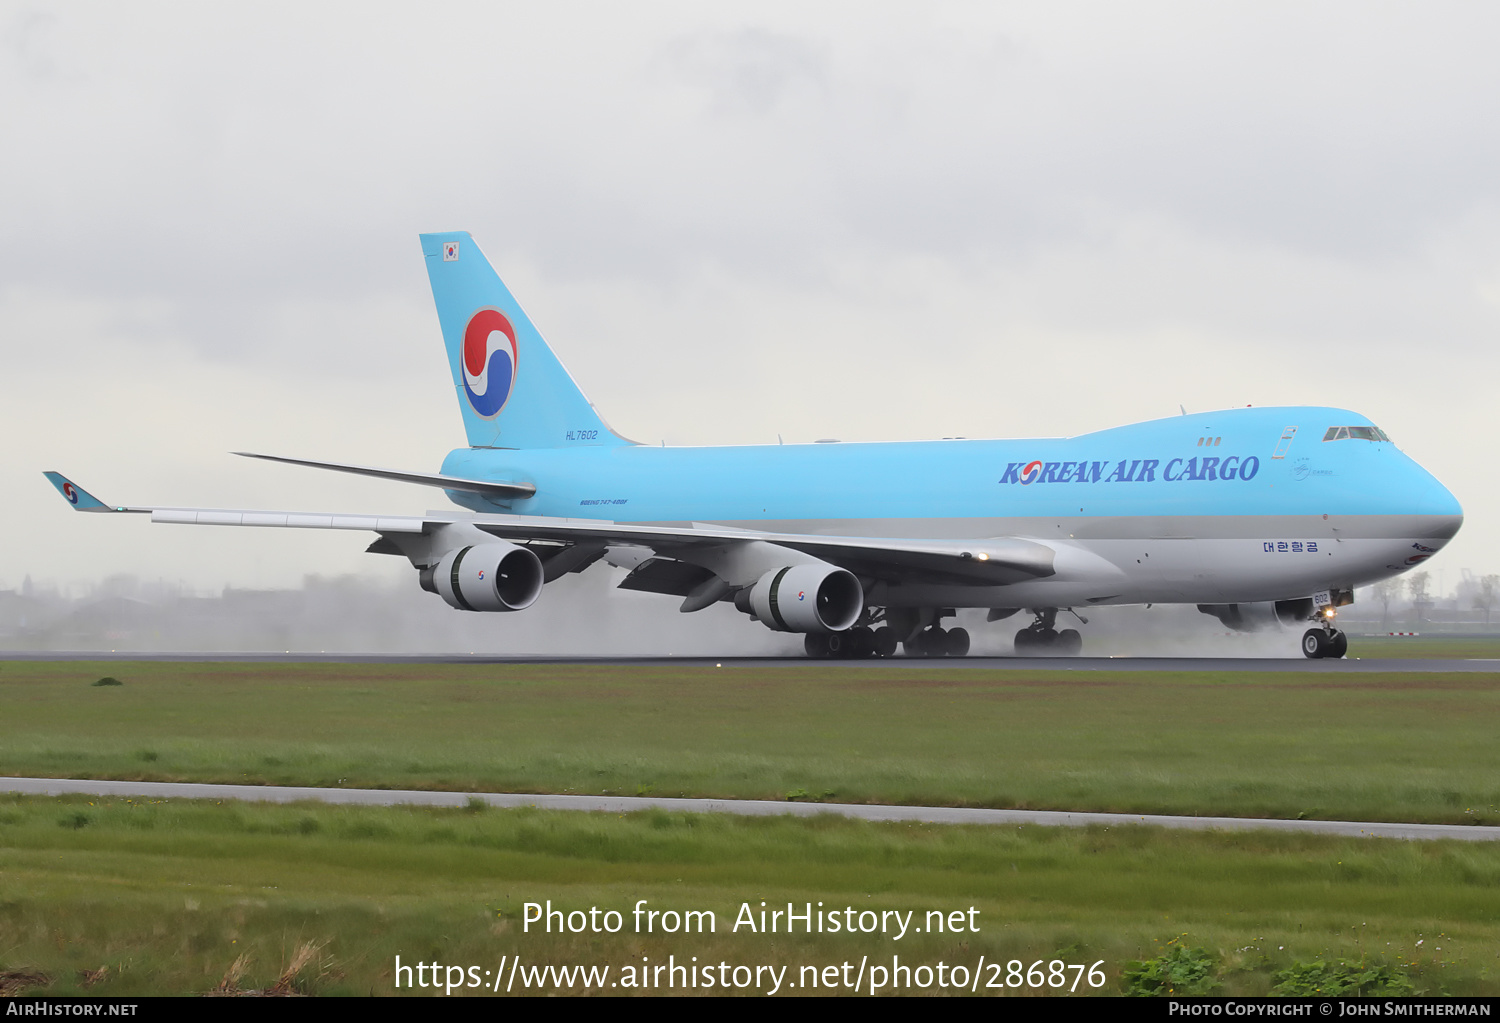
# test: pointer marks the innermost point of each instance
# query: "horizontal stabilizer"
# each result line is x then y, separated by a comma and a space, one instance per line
504, 491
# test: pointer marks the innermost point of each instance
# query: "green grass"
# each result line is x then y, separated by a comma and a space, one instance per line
147, 897
1408, 747
130, 897
1424, 647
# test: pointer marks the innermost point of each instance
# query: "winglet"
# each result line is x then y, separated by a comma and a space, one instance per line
79, 498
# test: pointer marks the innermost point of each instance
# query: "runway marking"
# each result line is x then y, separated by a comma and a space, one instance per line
743, 807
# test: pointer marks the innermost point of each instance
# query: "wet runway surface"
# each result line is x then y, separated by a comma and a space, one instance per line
1157, 664
744, 807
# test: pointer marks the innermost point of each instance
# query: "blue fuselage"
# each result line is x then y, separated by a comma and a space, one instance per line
1235, 483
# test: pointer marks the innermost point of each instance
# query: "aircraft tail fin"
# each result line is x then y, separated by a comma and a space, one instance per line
513, 392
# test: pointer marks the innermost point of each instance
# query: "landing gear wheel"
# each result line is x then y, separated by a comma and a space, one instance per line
863, 639
958, 643
1069, 643
840, 644
1340, 645
885, 642
935, 641
816, 644
931, 642
1040, 642
1315, 643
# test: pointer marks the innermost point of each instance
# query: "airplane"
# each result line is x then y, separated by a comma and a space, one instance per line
1262, 517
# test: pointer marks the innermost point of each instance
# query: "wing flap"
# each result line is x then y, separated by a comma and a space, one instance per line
293, 520
663, 575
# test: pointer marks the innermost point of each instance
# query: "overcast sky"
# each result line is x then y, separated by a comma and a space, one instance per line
866, 221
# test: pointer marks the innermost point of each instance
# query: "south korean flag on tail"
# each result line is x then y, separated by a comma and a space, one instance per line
450, 252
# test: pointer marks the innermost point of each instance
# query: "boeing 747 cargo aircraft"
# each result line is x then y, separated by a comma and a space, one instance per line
1262, 517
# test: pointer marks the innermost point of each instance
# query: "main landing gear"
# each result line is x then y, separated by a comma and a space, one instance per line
863, 641
938, 642
877, 634
860, 641
1041, 638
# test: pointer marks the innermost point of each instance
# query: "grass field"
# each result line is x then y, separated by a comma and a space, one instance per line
1115, 638
133, 897
1424, 647
1362, 747
137, 897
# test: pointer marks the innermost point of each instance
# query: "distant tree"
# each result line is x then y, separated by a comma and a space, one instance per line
1385, 592
1416, 586
1489, 589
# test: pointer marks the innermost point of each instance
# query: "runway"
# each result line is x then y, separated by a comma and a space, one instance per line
1382, 665
744, 807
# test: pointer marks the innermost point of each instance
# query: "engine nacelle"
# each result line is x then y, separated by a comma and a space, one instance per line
1265, 614
489, 577
807, 598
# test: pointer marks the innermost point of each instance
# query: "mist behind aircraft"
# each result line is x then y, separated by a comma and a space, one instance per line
583, 616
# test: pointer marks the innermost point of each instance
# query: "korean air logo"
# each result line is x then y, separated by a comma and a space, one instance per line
801, 594
1031, 472
70, 493
489, 358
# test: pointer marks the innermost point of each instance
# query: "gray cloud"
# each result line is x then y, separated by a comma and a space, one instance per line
732, 222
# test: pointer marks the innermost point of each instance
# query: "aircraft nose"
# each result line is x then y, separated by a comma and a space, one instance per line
1437, 505
1447, 526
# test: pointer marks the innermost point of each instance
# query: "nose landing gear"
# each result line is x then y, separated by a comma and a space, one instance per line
1324, 640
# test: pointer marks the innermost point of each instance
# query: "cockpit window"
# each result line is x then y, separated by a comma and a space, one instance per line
1355, 433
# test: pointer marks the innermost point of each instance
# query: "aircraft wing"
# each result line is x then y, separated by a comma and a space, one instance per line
84, 501
994, 561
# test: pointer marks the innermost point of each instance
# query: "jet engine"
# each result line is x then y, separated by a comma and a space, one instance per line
489, 577
806, 598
